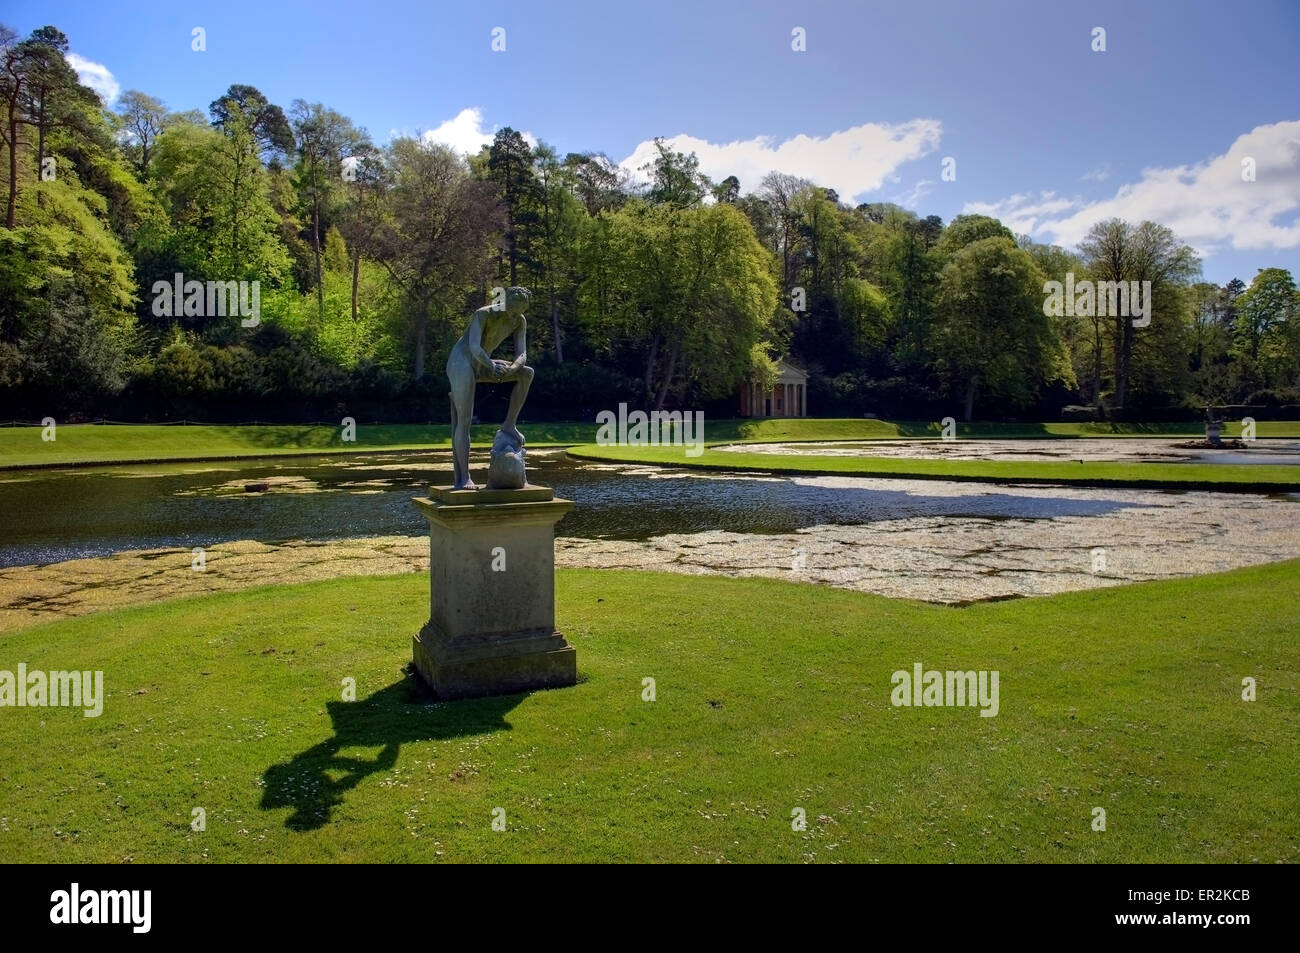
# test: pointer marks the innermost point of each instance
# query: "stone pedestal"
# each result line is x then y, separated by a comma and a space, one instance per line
491, 628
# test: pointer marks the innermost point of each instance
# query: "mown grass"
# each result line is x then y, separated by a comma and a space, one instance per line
126, 443
770, 696
1246, 477
774, 430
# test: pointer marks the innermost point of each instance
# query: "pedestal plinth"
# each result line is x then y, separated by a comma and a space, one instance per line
491, 628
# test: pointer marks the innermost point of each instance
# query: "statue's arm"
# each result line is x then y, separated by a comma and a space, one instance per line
521, 342
474, 335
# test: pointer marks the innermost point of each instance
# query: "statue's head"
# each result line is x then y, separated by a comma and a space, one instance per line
518, 299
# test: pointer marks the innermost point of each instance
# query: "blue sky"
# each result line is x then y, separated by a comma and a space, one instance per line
1045, 133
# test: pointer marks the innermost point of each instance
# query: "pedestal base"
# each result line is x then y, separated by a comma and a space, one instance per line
499, 666
491, 628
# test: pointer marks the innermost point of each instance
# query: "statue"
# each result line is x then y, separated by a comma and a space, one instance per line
1213, 428
506, 471
471, 361
489, 632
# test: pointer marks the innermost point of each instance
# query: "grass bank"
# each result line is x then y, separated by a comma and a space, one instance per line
86, 444
769, 696
1187, 476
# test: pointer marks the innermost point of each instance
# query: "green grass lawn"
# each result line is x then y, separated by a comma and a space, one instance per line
770, 696
779, 430
125, 443
1251, 477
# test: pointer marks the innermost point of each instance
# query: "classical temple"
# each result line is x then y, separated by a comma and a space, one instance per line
789, 398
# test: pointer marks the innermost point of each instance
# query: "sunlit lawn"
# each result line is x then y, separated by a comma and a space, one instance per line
770, 696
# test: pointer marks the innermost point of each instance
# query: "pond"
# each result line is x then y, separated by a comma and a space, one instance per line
1283, 452
54, 515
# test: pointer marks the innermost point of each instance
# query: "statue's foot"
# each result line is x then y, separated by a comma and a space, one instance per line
514, 434
467, 485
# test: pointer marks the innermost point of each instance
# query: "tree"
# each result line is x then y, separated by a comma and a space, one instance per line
559, 219
728, 190
66, 290
1115, 251
1267, 314
438, 237
778, 191
324, 139
866, 319
363, 214
1210, 338
52, 90
246, 107
510, 169
1262, 309
218, 198
990, 332
694, 288
967, 229
249, 126
40, 90
142, 119
1084, 338
597, 182
901, 263
675, 177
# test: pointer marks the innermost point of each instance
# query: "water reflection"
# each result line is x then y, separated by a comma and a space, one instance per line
49, 516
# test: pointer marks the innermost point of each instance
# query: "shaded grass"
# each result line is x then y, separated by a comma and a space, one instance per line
1190, 476
780, 430
770, 696
125, 443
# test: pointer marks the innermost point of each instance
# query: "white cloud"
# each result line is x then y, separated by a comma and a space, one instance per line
919, 191
95, 75
1206, 204
853, 162
465, 133
1099, 174
1026, 214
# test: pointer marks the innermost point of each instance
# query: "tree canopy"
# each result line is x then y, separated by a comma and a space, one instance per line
656, 285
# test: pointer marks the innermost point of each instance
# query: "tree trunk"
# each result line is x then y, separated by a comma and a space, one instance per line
970, 399
650, 364
1123, 356
668, 377
234, 212
40, 151
1096, 362
555, 329
11, 210
421, 328
356, 280
315, 241
40, 138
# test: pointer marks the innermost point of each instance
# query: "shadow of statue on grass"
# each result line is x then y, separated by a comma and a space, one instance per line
314, 781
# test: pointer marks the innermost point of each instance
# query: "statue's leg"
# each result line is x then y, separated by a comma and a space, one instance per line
523, 379
461, 395
456, 479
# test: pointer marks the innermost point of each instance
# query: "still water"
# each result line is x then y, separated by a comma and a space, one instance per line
52, 515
